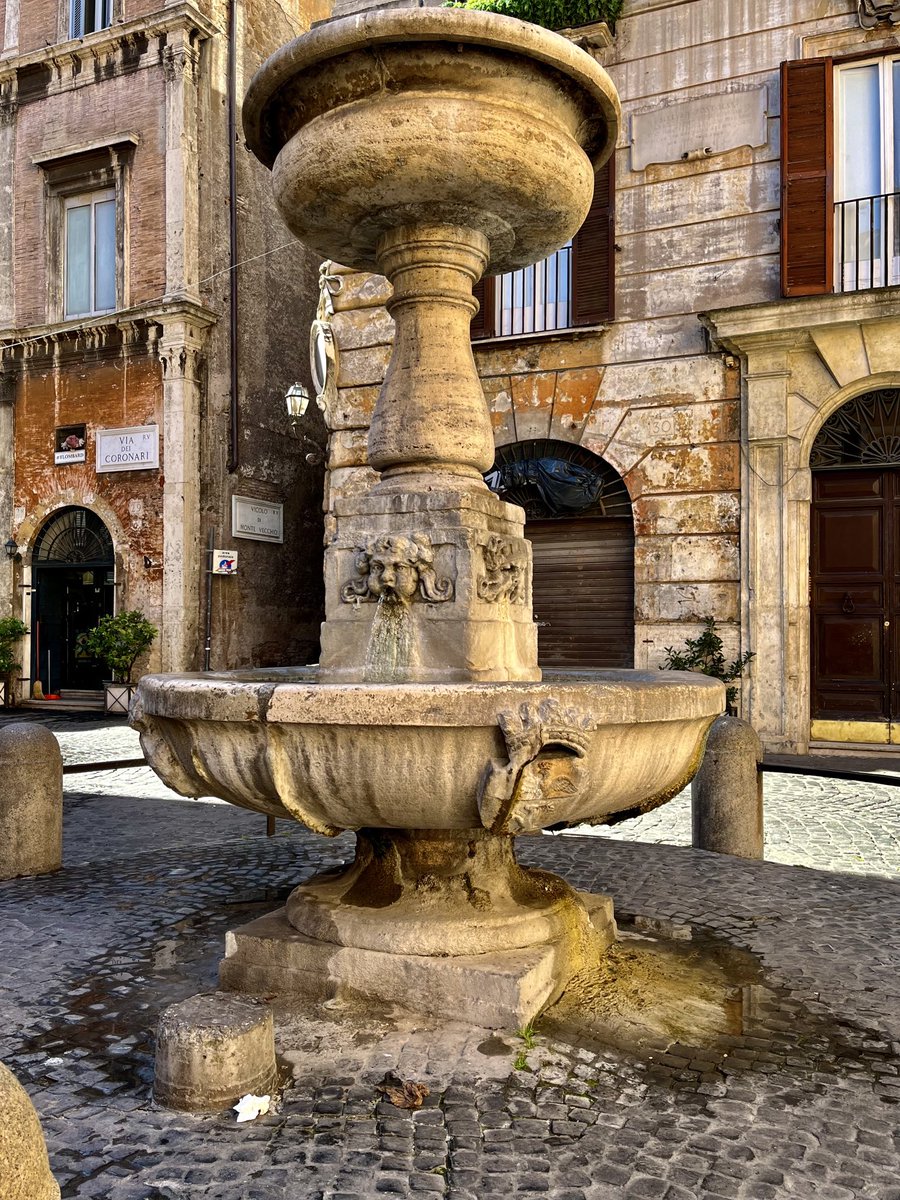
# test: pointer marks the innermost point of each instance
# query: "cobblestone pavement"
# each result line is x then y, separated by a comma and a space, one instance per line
791, 1092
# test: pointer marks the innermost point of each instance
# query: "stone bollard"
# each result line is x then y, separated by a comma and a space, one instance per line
211, 1050
30, 801
24, 1166
727, 792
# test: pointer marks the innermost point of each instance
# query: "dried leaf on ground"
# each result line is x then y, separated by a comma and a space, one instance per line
402, 1093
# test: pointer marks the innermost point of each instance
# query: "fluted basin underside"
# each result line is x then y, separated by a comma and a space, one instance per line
510, 758
434, 115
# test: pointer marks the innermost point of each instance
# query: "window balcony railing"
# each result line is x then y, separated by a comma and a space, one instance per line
536, 299
867, 240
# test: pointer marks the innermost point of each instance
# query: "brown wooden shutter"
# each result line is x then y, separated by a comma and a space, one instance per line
593, 255
807, 177
483, 321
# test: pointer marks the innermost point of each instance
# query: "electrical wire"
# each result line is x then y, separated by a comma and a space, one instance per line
112, 316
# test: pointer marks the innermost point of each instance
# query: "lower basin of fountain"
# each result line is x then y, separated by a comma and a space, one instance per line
574, 748
434, 914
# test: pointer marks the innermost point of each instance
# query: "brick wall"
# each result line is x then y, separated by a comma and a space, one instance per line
270, 613
132, 104
105, 393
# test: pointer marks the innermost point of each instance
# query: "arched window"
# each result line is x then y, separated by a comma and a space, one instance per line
73, 536
863, 432
551, 479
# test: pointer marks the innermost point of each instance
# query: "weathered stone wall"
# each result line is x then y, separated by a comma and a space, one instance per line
691, 233
269, 613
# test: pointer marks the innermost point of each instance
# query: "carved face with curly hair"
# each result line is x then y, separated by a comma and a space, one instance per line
394, 565
397, 568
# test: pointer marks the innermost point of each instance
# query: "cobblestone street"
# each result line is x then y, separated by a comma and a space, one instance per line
791, 1090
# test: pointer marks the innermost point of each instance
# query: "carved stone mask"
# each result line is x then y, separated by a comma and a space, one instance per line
394, 569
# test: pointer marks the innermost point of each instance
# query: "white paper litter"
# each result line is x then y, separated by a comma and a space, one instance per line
248, 1108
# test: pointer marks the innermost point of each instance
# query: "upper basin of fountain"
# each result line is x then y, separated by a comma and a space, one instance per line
436, 115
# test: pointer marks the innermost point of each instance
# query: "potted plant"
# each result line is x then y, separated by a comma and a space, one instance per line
12, 630
118, 642
705, 654
551, 14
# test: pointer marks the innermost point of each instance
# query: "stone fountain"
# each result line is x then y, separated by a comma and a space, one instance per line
430, 145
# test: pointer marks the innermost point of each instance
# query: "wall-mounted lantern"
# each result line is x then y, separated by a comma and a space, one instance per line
297, 401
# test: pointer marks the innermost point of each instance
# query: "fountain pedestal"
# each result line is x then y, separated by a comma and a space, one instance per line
443, 922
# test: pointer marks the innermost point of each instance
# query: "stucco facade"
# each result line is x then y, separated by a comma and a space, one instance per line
138, 113
706, 410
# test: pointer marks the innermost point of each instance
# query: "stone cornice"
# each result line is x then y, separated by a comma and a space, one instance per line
119, 45
788, 322
124, 330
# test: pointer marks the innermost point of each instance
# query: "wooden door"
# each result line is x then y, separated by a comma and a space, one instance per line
855, 596
584, 591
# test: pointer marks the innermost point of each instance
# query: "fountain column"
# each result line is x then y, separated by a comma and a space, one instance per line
429, 577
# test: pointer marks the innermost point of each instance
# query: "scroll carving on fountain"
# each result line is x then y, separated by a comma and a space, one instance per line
428, 728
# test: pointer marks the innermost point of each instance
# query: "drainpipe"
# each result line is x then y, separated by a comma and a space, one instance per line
233, 431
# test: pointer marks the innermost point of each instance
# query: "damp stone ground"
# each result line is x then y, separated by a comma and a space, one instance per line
794, 1094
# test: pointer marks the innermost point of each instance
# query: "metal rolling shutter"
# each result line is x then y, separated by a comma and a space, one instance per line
584, 591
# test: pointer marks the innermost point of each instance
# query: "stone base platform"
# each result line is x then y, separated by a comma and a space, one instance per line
501, 990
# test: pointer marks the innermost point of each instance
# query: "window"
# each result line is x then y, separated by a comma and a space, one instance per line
87, 16
90, 253
85, 192
571, 288
840, 158
867, 174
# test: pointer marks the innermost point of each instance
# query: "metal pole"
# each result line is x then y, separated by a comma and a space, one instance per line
234, 445
207, 649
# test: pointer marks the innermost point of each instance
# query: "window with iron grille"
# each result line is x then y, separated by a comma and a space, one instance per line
840, 157
573, 287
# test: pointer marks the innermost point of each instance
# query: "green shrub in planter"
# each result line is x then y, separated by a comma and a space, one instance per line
704, 654
12, 630
119, 641
551, 14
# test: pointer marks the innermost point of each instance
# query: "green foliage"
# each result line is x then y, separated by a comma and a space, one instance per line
11, 631
526, 1033
119, 641
552, 14
704, 654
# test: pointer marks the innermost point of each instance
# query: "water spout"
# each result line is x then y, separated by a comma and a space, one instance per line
389, 652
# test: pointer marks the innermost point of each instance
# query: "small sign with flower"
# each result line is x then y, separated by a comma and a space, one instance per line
69, 446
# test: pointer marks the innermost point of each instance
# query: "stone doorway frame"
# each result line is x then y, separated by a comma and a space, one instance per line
801, 360
28, 533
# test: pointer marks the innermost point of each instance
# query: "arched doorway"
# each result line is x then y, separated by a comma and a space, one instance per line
73, 580
579, 522
855, 572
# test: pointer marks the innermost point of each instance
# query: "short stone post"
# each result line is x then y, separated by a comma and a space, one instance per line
31, 772
24, 1166
727, 791
211, 1050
